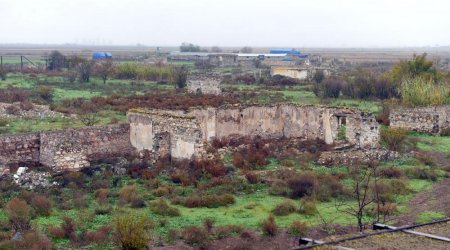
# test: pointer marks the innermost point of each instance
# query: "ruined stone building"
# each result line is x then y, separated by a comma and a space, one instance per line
184, 134
422, 119
202, 83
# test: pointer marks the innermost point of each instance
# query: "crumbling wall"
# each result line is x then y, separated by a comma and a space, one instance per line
73, 149
68, 149
160, 131
20, 148
190, 130
421, 119
200, 83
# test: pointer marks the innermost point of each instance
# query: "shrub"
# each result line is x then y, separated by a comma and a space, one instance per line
33, 240
99, 236
419, 91
57, 232
101, 195
46, 93
252, 177
269, 227
308, 206
193, 235
225, 231
12, 110
161, 207
138, 202
208, 223
279, 187
26, 105
391, 172
329, 187
172, 235
284, 208
211, 201
393, 137
304, 184
131, 231
19, 214
41, 205
127, 194
298, 228
422, 173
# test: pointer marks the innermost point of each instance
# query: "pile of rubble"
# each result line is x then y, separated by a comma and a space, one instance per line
32, 179
14, 110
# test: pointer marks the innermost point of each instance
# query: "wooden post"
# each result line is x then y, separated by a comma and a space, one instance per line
21, 62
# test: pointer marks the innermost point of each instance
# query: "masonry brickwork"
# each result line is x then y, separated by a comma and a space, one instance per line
69, 149
190, 131
422, 119
204, 83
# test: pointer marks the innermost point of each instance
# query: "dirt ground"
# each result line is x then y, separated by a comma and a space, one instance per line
436, 199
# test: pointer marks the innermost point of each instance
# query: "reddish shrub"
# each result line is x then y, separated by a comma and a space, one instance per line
298, 228
195, 235
225, 231
127, 194
284, 208
26, 105
391, 172
12, 110
252, 177
57, 232
101, 195
19, 214
99, 236
303, 184
33, 240
269, 227
41, 205
210, 201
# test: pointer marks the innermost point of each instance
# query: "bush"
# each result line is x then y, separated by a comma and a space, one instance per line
422, 173
161, 207
308, 206
298, 228
101, 195
32, 240
19, 214
284, 208
138, 202
26, 105
269, 227
252, 177
99, 236
279, 187
131, 231
419, 91
302, 185
46, 93
225, 231
211, 201
128, 194
391, 172
41, 205
12, 110
193, 235
393, 137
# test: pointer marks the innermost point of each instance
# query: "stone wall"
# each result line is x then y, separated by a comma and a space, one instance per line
75, 148
189, 131
165, 132
18, 149
422, 119
68, 149
198, 83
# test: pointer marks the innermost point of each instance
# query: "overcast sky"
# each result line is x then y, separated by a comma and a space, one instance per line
294, 23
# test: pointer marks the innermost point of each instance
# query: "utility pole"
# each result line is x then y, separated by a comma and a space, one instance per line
21, 62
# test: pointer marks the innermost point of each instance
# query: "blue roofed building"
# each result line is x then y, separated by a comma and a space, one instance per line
289, 52
101, 55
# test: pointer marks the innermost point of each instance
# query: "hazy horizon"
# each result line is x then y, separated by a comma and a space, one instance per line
232, 23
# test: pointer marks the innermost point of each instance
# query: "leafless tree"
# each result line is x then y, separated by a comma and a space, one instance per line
247, 49
88, 114
85, 70
360, 191
104, 69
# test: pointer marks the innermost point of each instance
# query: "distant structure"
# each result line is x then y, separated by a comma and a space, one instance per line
209, 84
240, 59
297, 72
101, 55
289, 52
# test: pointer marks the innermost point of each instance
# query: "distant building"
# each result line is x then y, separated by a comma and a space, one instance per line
300, 73
101, 55
290, 52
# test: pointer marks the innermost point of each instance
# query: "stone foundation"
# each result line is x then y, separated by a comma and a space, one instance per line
204, 84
